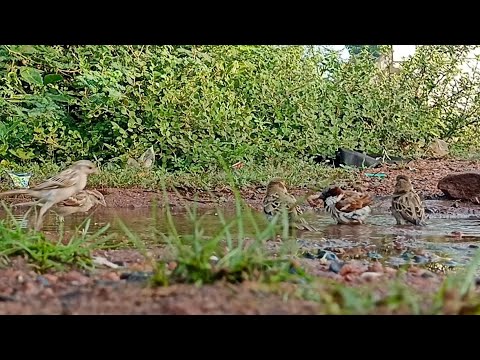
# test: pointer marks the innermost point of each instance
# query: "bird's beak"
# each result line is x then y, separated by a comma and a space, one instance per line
103, 203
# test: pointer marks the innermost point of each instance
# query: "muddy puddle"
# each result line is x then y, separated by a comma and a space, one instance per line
448, 240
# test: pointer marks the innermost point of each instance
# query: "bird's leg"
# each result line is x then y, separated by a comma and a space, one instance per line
28, 211
43, 210
27, 203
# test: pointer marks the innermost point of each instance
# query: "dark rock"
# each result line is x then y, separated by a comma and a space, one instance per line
4, 298
472, 246
374, 255
419, 259
336, 266
137, 276
427, 274
321, 254
465, 186
308, 255
327, 255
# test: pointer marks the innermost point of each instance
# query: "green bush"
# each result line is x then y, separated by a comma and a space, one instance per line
250, 103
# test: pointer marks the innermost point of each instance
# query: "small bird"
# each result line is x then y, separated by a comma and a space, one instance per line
146, 160
406, 204
58, 188
278, 198
79, 203
346, 206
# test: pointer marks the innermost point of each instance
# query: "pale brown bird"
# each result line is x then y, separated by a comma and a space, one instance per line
57, 188
146, 160
346, 206
407, 207
278, 198
79, 203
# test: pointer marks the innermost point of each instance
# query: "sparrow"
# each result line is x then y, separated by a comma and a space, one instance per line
278, 198
346, 206
406, 204
79, 203
58, 188
146, 160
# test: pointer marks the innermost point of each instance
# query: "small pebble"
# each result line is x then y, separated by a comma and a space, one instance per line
376, 267
42, 280
47, 293
374, 255
76, 278
213, 258
113, 276
390, 270
52, 279
370, 276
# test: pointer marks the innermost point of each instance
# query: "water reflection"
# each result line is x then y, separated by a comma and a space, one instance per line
380, 229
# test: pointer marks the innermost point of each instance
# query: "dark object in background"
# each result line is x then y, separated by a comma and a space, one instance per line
355, 158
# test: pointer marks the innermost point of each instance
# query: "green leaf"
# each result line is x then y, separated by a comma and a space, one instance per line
52, 78
22, 154
60, 97
24, 49
31, 75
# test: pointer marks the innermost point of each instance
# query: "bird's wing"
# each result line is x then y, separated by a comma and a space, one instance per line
410, 207
77, 200
67, 178
271, 204
354, 202
148, 157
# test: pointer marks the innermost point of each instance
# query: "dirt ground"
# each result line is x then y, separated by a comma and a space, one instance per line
123, 291
424, 174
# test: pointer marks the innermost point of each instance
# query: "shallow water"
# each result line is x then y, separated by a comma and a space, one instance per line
379, 233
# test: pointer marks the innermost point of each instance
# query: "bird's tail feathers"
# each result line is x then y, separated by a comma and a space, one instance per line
14, 192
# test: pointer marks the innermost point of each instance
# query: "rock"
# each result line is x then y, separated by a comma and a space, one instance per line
137, 276
335, 266
99, 260
112, 276
43, 280
438, 148
52, 279
465, 185
376, 267
370, 276
76, 278
353, 268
